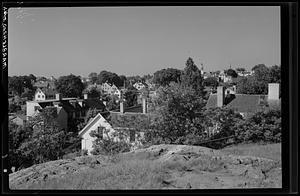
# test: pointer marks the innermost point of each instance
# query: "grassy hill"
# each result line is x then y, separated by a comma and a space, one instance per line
160, 167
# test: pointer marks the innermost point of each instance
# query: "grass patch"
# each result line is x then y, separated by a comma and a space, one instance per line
123, 174
269, 151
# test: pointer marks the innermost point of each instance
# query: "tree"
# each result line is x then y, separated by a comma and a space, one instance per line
28, 94
69, 86
130, 96
47, 140
263, 126
211, 81
261, 73
107, 145
176, 116
17, 84
231, 73
225, 121
275, 74
92, 91
192, 77
165, 76
250, 85
93, 77
113, 78
16, 136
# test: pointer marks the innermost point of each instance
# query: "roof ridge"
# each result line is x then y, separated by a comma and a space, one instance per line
89, 123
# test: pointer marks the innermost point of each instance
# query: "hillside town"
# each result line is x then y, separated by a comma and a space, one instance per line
103, 109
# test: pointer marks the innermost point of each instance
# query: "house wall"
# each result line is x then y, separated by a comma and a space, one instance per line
87, 140
39, 96
30, 108
62, 119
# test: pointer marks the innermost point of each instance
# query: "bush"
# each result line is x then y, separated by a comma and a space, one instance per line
110, 147
264, 126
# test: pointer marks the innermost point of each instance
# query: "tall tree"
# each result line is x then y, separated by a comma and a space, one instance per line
192, 77
165, 76
113, 78
69, 86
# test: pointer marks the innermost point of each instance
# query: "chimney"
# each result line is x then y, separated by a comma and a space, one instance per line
144, 102
121, 106
273, 91
220, 96
58, 96
85, 96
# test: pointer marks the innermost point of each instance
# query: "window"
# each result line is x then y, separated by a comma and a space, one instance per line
39, 96
132, 136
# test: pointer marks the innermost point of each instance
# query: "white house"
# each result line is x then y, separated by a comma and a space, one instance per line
43, 94
95, 124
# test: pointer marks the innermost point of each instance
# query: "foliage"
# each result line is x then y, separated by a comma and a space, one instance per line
92, 91
16, 136
231, 73
165, 76
112, 78
176, 116
47, 140
191, 77
258, 83
107, 145
130, 96
211, 81
69, 86
112, 102
220, 123
93, 77
28, 94
263, 126
250, 85
17, 84
13, 107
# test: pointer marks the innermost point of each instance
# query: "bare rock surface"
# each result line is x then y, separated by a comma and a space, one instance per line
188, 167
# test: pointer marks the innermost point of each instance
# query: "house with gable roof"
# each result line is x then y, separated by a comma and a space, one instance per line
244, 103
122, 125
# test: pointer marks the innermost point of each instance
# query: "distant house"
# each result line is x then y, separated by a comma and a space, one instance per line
74, 107
122, 126
43, 94
224, 77
110, 89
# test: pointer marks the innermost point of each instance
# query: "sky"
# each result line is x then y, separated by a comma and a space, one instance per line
140, 40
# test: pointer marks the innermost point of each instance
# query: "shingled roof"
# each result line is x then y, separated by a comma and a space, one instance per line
239, 102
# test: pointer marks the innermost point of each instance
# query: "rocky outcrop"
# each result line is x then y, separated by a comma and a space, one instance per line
187, 167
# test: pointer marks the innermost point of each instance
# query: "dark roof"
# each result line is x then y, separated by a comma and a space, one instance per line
49, 91
94, 103
129, 120
239, 102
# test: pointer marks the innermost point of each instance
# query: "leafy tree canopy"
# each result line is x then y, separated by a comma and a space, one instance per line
192, 77
231, 73
211, 81
69, 86
165, 76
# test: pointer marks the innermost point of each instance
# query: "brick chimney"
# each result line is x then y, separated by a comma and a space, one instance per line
121, 106
144, 104
220, 96
273, 91
58, 96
